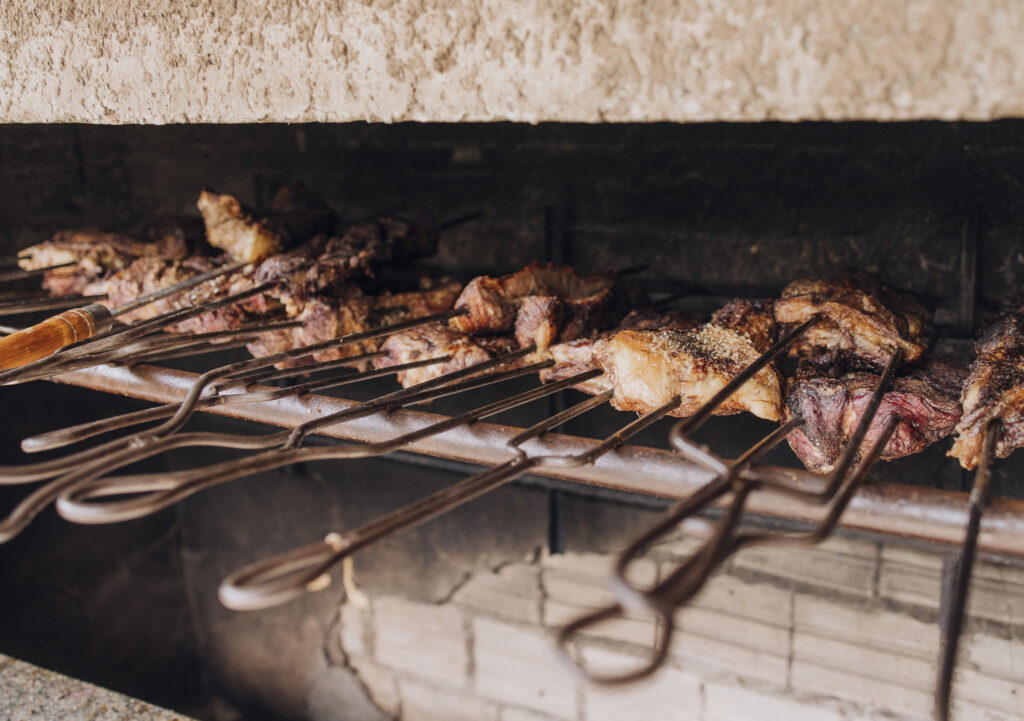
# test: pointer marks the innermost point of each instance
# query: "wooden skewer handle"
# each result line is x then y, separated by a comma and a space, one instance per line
53, 334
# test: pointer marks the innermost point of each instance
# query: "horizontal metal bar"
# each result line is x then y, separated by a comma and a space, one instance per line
888, 509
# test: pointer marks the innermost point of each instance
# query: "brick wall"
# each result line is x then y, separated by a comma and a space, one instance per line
845, 632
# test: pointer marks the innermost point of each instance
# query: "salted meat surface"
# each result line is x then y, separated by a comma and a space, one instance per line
863, 321
926, 401
994, 391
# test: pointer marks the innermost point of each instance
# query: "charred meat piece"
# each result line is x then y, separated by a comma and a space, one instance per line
925, 401
435, 341
751, 319
542, 304
576, 356
322, 262
148, 275
994, 391
96, 255
863, 321
294, 215
349, 311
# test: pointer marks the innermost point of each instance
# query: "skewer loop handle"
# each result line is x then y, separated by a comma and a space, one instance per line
52, 334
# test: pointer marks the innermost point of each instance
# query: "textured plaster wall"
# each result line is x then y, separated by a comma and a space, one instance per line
106, 61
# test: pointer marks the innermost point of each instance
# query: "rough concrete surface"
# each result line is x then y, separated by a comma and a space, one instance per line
102, 61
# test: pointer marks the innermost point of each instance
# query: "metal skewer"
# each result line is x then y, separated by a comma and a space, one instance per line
19, 274
953, 620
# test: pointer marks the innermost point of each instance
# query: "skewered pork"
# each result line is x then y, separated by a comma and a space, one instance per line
293, 216
435, 341
994, 391
542, 304
863, 322
649, 368
925, 401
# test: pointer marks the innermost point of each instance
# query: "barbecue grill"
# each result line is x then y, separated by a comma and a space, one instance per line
270, 520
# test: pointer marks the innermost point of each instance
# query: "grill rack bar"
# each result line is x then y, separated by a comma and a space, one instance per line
889, 509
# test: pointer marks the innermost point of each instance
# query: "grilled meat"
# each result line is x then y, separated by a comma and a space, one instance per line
293, 216
576, 356
96, 256
147, 275
994, 391
542, 304
925, 401
863, 322
323, 262
435, 341
349, 311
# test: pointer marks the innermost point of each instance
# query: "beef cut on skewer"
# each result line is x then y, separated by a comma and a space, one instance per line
647, 369
863, 322
926, 400
994, 391
542, 304
294, 215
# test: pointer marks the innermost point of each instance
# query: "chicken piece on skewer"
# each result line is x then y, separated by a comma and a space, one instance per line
647, 369
97, 254
349, 311
542, 304
994, 390
293, 216
863, 322
926, 401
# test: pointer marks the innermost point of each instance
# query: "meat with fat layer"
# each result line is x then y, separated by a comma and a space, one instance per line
926, 402
994, 391
148, 275
436, 341
863, 321
294, 215
544, 303
577, 356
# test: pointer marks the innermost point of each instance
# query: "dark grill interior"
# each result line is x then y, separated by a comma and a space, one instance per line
710, 210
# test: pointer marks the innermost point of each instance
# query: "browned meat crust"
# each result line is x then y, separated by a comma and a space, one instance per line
323, 263
294, 215
544, 303
925, 401
148, 275
435, 341
576, 356
349, 311
751, 319
864, 321
649, 368
96, 255
994, 390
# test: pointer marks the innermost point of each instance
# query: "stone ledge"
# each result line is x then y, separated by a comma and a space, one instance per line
433, 60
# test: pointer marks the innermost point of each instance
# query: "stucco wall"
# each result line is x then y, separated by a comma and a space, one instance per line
103, 61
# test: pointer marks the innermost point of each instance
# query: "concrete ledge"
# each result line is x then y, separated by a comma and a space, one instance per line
97, 61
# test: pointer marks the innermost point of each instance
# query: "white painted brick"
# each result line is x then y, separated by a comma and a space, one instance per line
577, 583
517, 666
735, 630
912, 556
712, 658
423, 703
990, 692
865, 624
970, 712
847, 573
883, 695
864, 661
423, 639
669, 695
757, 601
849, 546
513, 592
354, 624
1002, 572
380, 682
678, 546
736, 703
995, 600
